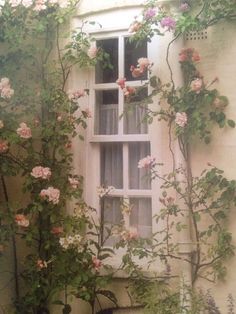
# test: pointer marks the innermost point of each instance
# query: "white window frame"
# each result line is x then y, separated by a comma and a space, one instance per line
94, 140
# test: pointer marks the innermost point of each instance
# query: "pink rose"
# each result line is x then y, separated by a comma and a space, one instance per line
51, 194
24, 131
97, 263
146, 162
136, 72
130, 234
181, 119
92, 52
21, 220
121, 82
3, 146
5, 82
196, 85
41, 172
129, 91
41, 264
134, 27
74, 96
143, 64
40, 5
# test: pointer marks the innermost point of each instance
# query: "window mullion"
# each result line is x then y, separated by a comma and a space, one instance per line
121, 74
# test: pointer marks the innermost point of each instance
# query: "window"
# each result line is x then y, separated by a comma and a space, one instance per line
121, 139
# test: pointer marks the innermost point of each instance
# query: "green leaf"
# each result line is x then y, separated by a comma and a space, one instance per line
231, 123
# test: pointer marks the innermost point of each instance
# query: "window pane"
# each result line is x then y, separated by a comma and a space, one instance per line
106, 113
132, 54
138, 178
111, 215
141, 216
134, 115
104, 74
112, 165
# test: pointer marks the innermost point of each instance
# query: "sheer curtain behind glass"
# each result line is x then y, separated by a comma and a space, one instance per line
141, 216
138, 178
112, 165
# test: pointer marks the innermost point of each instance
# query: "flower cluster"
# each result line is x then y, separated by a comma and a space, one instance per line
92, 52
197, 85
21, 220
74, 96
134, 27
71, 241
129, 234
3, 146
143, 65
41, 172
74, 183
39, 5
181, 119
146, 162
189, 55
24, 131
168, 22
150, 13
51, 195
128, 91
5, 88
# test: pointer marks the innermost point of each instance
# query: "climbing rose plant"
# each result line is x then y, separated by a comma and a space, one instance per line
38, 119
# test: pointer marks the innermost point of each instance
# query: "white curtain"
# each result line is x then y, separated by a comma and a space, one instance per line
141, 216
138, 178
108, 119
133, 121
112, 165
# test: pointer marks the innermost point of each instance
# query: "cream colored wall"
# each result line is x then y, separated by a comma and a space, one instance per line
218, 55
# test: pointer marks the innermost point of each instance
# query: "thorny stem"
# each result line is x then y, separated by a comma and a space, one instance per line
17, 290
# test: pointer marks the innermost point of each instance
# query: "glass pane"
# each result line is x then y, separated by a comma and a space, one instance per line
111, 215
103, 73
141, 216
138, 178
132, 53
112, 165
106, 121
134, 115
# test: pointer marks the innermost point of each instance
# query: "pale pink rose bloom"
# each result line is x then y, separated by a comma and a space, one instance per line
181, 119
74, 183
146, 162
24, 131
40, 5
130, 234
41, 264
196, 85
77, 94
121, 82
1, 124
129, 91
41, 172
5, 82
3, 146
27, 3
134, 27
21, 220
143, 63
136, 72
14, 3
97, 263
63, 4
51, 194
7, 92
92, 52
59, 118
